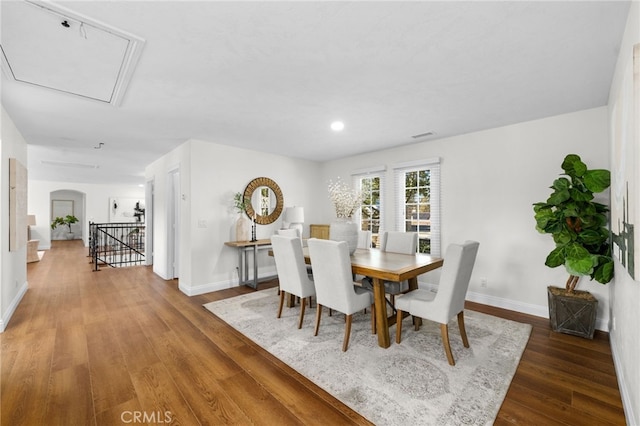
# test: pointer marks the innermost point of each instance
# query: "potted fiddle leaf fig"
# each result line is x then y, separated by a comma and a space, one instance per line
578, 225
68, 220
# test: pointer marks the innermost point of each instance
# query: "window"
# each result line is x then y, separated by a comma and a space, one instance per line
418, 195
371, 183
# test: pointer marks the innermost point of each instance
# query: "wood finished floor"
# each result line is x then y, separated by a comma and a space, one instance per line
98, 348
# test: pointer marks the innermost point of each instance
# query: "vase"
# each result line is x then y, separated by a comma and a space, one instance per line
343, 229
242, 228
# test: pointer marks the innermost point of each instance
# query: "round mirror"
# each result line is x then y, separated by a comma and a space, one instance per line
265, 200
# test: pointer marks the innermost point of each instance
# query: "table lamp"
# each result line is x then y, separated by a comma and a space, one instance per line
294, 216
31, 221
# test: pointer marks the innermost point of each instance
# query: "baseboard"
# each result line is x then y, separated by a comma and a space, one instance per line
266, 274
205, 288
512, 305
4, 321
632, 417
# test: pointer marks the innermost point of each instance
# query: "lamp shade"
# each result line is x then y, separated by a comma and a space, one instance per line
294, 215
31, 220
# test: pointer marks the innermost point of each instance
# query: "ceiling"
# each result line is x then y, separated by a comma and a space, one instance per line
272, 76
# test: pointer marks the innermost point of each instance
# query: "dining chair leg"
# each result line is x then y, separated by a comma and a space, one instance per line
318, 314
399, 326
463, 332
281, 303
303, 303
347, 332
444, 330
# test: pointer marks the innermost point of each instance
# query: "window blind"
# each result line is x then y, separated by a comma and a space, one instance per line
399, 173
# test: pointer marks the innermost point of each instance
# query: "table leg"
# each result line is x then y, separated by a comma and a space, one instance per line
240, 267
255, 267
413, 285
382, 323
245, 277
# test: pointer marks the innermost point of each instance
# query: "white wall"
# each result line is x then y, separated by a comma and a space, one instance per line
490, 180
178, 159
96, 207
13, 265
624, 291
210, 175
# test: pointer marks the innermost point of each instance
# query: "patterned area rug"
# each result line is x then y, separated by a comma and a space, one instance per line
408, 383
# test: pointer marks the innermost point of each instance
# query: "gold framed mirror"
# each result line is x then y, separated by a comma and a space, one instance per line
265, 200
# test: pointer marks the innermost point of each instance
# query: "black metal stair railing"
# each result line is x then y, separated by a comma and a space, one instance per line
116, 244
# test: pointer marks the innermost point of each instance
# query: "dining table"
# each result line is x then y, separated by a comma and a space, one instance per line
383, 266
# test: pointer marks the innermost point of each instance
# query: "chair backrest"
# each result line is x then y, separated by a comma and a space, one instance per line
364, 239
399, 242
291, 232
331, 265
454, 280
292, 270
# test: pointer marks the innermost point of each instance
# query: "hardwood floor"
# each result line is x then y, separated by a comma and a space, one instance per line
122, 346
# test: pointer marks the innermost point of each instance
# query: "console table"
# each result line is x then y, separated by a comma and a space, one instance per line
243, 265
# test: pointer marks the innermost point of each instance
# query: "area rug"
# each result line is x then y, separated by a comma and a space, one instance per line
409, 383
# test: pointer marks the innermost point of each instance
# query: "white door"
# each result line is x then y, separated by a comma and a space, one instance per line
173, 245
148, 218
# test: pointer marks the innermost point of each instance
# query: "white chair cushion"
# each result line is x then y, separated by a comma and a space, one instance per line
291, 267
335, 288
452, 289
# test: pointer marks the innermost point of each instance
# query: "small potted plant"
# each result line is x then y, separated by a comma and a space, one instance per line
68, 220
578, 225
242, 225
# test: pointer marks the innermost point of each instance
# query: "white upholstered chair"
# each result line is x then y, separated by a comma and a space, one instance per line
396, 242
335, 288
364, 239
292, 271
448, 302
291, 232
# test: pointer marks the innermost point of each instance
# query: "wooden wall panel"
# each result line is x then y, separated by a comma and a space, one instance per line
17, 205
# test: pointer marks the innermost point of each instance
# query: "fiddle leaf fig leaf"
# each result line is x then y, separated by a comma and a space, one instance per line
543, 217
559, 197
578, 260
573, 165
578, 195
590, 237
604, 272
563, 237
597, 180
561, 184
555, 258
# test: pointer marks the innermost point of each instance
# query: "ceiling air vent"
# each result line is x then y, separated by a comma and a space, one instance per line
423, 135
67, 164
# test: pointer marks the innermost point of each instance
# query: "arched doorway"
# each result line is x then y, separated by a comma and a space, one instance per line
62, 203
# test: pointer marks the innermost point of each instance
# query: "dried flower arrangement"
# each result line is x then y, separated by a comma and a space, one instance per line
345, 199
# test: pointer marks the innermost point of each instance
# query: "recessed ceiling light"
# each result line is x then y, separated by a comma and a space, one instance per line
337, 126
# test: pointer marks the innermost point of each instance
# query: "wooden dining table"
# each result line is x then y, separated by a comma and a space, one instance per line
383, 266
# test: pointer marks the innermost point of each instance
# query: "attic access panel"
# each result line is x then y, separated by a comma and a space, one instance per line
53, 47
